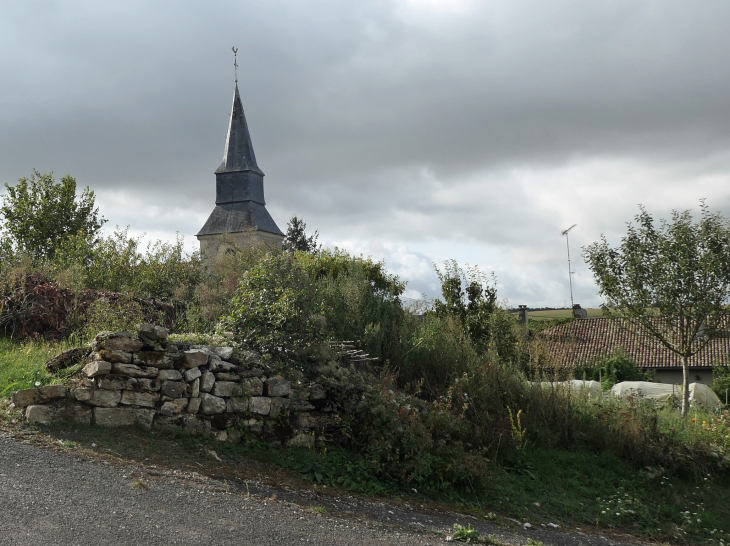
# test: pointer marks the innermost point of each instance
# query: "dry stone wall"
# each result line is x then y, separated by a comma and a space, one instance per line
144, 380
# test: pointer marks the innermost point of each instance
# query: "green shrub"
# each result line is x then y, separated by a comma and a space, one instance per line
721, 382
610, 370
120, 314
288, 302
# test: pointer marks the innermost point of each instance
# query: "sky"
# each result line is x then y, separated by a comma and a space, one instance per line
412, 131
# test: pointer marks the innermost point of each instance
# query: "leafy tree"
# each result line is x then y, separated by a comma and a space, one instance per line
471, 298
296, 237
39, 214
672, 281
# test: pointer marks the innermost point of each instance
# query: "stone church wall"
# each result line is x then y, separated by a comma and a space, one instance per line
212, 245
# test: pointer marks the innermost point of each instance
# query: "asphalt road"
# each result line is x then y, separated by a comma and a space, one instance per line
50, 498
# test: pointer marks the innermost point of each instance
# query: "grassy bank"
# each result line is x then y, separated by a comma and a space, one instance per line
21, 364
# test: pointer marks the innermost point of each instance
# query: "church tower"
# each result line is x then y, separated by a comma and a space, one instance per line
240, 210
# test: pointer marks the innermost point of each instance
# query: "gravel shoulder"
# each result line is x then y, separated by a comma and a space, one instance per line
66, 497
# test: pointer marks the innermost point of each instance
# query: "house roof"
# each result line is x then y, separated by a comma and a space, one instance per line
585, 340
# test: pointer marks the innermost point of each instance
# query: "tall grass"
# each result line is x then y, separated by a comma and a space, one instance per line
21, 364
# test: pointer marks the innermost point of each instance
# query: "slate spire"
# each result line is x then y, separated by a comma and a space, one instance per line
240, 207
238, 154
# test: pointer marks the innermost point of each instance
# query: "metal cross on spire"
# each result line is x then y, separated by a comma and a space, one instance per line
235, 63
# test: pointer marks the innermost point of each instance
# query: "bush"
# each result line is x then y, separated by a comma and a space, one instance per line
610, 370
288, 302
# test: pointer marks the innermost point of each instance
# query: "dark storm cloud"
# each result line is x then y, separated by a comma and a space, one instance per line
418, 122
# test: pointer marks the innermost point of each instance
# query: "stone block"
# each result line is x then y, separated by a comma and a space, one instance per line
224, 353
257, 428
234, 436
217, 365
192, 374
82, 394
207, 383
300, 400
76, 413
237, 404
114, 356
195, 358
226, 389
253, 386
302, 439
96, 368
174, 407
104, 398
157, 359
146, 399
277, 386
305, 421
152, 332
253, 372
132, 370
227, 376
317, 392
193, 405
173, 389
123, 417
196, 426
148, 384
169, 375
112, 383
195, 388
42, 415
210, 405
279, 405
220, 436
40, 395
119, 341
260, 405
167, 422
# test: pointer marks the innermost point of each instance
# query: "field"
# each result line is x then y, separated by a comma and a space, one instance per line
561, 314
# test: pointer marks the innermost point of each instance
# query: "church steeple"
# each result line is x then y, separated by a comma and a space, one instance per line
238, 154
239, 191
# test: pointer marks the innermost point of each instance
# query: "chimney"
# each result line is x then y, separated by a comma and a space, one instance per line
522, 314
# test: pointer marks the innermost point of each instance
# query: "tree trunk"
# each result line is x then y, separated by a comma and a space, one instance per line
685, 386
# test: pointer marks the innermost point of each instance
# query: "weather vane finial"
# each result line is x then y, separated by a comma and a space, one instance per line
235, 64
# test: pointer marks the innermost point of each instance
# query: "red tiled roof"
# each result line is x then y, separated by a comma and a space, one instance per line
584, 340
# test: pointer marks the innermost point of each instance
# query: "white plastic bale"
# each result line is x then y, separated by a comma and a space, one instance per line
699, 393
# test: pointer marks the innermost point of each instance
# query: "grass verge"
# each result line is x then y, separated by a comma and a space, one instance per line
21, 365
592, 492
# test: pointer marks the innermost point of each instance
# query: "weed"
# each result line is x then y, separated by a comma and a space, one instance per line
139, 483
321, 510
465, 534
533, 542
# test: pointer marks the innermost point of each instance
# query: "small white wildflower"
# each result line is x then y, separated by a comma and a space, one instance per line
37, 383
